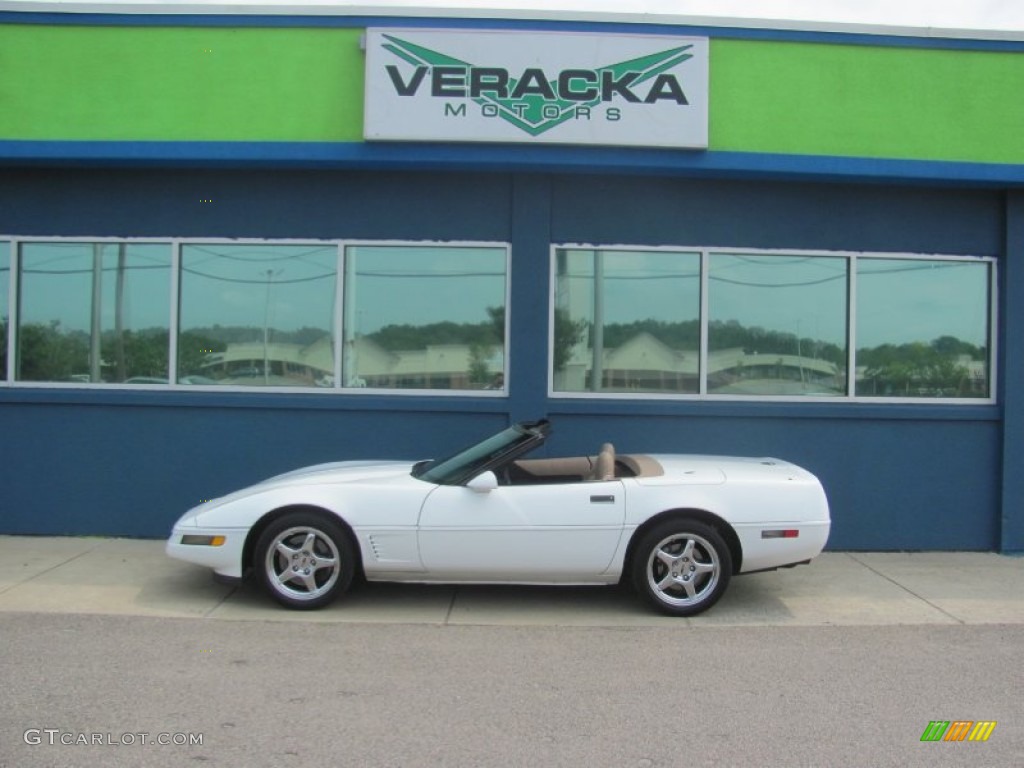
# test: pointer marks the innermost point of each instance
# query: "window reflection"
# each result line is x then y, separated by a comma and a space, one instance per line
5, 282
777, 325
94, 312
425, 317
626, 321
434, 318
922, 328
257, 315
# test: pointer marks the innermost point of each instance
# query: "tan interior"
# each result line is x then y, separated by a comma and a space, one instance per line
606, 465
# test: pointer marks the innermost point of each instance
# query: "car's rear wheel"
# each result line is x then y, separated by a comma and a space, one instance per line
682, 566
304, 560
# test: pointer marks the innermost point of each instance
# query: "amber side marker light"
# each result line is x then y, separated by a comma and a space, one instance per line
203, 541
788, 533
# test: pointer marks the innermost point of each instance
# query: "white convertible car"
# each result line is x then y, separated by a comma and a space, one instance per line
676, 526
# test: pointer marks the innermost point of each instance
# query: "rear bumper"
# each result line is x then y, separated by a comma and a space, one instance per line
762, 554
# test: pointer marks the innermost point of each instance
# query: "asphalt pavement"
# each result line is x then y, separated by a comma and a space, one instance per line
134, 577
115, 655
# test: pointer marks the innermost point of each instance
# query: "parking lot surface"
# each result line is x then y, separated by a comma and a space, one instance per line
135, 577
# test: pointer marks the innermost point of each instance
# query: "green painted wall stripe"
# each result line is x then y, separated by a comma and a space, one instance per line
918, 104
306, 84
180, 84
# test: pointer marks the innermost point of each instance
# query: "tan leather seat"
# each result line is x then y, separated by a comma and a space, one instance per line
604, 467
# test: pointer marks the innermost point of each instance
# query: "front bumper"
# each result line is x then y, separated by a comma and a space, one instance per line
225, 559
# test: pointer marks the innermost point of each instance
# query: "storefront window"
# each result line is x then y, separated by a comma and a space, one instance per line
257, 315
626, 322
771, 324
777, 325
94, 312
5, 282
923, 328
425, 317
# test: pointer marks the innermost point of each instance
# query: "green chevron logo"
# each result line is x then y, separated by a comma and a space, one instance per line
533, 100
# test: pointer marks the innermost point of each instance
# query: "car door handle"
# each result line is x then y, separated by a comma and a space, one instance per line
602, 499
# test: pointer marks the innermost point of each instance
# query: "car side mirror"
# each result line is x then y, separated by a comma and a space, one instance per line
483, 483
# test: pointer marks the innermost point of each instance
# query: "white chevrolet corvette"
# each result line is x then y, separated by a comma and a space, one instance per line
677, 526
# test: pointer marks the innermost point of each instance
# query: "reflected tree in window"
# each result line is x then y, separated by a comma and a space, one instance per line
777, 325
626, 321
5, 277
922, 328
94, 312
568, 333
257, 315
425, 317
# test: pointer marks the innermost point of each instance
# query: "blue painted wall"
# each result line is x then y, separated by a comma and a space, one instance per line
1011, 320
131, 469
128, 463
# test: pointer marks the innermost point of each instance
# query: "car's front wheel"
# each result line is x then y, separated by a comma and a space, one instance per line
304, 560
682, 566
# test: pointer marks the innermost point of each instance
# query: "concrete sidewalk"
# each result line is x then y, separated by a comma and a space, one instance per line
135, 577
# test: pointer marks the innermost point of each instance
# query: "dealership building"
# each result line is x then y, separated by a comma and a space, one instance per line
239, 239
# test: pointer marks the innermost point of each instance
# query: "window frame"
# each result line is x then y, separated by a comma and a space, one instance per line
852, 259
14, 242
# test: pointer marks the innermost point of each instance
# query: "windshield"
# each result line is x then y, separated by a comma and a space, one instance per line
482, 456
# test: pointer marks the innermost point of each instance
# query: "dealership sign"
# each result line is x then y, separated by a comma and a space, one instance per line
536, 88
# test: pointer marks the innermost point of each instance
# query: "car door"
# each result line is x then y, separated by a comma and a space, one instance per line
543, 533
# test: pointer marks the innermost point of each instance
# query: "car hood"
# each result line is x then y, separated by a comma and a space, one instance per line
339, 472
319, 474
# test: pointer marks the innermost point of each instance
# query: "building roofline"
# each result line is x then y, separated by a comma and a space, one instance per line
565, 11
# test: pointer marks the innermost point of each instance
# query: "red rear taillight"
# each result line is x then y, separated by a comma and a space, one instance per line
783, 533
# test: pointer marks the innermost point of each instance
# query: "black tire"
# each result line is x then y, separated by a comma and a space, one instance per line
682, 566
304, 560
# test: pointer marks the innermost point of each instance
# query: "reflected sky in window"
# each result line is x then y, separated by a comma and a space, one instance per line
57, 284
287, 286
900, 301
637, 285
422, 285
800, 295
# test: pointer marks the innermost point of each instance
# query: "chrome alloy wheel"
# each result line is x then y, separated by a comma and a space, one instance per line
683, 570
302, 563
